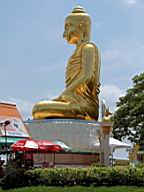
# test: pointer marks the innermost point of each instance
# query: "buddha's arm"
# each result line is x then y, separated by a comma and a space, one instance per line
89, 66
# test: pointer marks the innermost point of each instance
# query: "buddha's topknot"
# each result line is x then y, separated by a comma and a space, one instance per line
78, 9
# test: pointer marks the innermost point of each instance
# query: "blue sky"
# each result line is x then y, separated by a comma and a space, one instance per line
33, 53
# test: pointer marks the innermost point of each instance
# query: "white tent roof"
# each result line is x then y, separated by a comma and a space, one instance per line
115, 143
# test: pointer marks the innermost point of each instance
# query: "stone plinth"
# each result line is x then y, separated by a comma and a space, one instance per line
80, 135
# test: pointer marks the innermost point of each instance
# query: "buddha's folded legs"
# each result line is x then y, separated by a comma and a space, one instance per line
53, 109
57, 109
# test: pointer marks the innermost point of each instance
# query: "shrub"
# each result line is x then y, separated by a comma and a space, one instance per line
92, 176
13, 176
97, 176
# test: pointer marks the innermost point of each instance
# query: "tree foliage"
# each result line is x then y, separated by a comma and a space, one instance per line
129, 117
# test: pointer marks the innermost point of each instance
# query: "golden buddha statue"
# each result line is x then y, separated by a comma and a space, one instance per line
79, 100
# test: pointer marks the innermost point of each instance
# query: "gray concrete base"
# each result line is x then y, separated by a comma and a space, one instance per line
80, 135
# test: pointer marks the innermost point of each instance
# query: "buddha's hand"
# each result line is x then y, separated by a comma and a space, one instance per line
64, 96
57, 98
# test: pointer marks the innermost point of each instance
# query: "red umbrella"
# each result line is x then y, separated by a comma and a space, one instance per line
46, 145
25, 145
35, 145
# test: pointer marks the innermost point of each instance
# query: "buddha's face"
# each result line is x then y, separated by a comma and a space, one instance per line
71, 33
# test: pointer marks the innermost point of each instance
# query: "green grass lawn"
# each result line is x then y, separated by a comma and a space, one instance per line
77, 189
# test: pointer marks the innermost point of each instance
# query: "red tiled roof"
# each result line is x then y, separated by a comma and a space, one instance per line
7, 109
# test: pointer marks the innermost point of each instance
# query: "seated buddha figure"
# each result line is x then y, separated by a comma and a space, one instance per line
79, 100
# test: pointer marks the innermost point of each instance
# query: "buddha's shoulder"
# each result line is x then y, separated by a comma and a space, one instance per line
89, 45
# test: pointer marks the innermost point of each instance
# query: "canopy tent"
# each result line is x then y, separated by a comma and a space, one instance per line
65, 147
114, 143
118, 144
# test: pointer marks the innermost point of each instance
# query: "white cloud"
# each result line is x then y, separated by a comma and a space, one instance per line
111, 93
138, 4
130, 2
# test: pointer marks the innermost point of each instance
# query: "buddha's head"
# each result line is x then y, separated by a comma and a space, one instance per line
77, 26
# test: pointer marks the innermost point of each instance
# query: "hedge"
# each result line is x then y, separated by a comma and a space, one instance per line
97, 176
92, 176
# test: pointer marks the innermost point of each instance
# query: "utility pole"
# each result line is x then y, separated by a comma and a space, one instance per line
4, 125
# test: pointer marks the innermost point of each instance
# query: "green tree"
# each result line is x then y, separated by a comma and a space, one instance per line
129, 117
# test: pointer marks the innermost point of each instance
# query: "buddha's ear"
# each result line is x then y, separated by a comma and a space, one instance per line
82, 29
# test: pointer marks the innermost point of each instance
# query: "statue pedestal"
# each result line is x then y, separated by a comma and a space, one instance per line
78, 135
